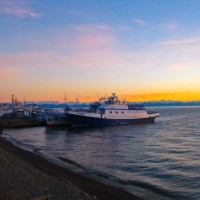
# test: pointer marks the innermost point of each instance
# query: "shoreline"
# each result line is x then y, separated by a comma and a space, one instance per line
21, 122
88, 186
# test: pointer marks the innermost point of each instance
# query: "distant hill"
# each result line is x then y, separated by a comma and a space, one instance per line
172, 103
147, 104
53, 104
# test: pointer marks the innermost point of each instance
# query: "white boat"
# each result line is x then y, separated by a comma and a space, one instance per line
111, 111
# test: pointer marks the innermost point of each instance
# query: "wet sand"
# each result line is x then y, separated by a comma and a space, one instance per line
25, 175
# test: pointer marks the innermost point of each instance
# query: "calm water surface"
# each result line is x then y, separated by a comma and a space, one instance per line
160, 160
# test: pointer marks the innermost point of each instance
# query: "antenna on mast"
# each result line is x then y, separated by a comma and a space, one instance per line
77, 98
65, 97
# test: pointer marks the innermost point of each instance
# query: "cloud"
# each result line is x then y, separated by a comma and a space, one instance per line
92, 46
181, 42
18, 11
81, 37
92, 28
180, 54
87, 45
183, 66
55, 60
27, 60
95, 49
140, 22
93, 41
168, 26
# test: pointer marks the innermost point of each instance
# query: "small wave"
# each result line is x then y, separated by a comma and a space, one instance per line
153, 188
94, 172
15, 142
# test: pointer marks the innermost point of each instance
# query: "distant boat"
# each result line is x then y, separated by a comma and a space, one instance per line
111, 111
5, 110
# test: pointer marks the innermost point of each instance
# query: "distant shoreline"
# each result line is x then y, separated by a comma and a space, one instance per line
90, 186
86, 104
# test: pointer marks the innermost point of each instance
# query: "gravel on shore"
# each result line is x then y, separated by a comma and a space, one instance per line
25, 175
20, 180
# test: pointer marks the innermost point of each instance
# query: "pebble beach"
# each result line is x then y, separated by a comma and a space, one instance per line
25, 175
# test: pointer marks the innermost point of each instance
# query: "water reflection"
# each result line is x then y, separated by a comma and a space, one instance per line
164, 154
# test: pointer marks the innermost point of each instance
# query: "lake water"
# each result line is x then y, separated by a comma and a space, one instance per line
159, 160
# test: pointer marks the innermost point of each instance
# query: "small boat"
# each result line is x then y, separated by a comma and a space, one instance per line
5, 110
111, 111
57, 118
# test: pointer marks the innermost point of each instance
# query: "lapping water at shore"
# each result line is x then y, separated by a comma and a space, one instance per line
156, 161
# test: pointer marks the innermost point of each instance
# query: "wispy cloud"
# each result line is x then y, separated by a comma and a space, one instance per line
180, 54
25, 60
19, 12
94, 29
55, 60
95, 49
90, 41
169, 26
140, 22
181, 41
83, 46
14, 9
183, 66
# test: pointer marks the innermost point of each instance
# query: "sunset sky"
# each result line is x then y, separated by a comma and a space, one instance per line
140, 49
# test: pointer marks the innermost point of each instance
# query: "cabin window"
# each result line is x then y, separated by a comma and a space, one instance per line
116, 112
110, 111
122, 112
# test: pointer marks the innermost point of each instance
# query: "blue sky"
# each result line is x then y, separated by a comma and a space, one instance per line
137, 48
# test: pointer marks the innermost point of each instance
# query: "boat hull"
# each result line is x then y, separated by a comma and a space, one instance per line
57, 120
79, 120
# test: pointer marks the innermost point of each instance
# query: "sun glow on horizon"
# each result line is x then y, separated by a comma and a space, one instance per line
183, 97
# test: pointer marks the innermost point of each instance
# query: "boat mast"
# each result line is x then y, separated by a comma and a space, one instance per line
65, 97
13, 99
